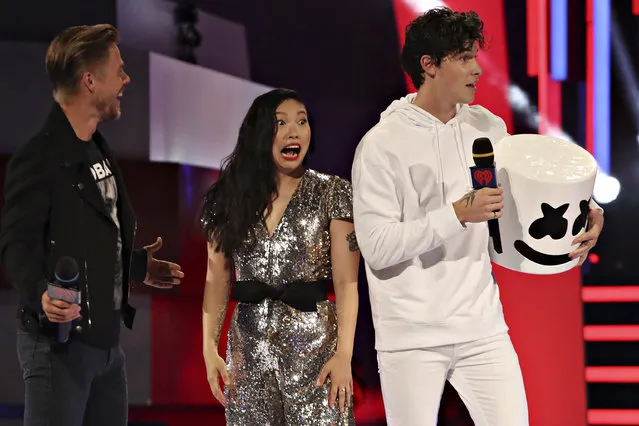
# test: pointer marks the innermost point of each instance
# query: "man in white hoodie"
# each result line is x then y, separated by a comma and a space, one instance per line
422, 232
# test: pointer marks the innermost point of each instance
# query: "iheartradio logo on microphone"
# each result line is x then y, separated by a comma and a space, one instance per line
68, 295
483, 177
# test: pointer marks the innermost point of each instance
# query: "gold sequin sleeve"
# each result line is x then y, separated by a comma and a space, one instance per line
340, 204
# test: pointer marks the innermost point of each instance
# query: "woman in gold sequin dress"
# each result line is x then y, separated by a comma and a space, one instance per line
278, 234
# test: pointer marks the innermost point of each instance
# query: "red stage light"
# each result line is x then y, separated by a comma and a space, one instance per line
612, 374
611, 333
613, 417
610, 294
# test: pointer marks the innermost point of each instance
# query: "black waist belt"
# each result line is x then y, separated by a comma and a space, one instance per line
301, 295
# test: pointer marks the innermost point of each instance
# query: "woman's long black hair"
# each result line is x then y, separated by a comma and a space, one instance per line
246, 183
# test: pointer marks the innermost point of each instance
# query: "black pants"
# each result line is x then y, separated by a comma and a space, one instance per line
73, 384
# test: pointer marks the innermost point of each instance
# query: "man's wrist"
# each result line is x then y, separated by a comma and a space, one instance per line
459, 213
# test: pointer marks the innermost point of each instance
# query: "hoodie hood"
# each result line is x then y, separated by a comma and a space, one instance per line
417, 116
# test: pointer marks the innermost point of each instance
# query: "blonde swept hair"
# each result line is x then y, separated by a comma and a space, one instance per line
76, 50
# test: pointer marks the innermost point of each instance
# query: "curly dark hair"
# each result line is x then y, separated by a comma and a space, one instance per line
438, 33
246, 184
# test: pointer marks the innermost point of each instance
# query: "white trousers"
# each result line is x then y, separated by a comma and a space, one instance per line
485, 373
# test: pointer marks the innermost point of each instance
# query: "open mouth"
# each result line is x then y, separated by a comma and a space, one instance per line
540, 258
472, 86
291, 152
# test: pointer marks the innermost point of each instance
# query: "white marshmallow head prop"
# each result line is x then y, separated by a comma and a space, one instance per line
547, 185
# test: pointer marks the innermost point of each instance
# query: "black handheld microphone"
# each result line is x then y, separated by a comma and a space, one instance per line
483, 175
66, 288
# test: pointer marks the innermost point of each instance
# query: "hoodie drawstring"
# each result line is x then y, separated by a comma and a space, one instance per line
440, 171
460, 152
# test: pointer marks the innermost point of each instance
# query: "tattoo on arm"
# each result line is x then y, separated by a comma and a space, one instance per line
469, 198
352, 242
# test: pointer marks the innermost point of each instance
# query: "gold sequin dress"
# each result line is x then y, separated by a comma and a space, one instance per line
275, 352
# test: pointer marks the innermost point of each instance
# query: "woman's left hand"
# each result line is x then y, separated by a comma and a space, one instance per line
338, 369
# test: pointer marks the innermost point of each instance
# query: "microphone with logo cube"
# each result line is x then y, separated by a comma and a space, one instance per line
483, 176
65, 287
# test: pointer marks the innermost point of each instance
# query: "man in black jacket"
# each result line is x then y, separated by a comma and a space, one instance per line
64, 196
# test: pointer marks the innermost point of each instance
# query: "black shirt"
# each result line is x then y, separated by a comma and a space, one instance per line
101, 172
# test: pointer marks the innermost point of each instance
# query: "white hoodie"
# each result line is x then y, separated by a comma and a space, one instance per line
430, 279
